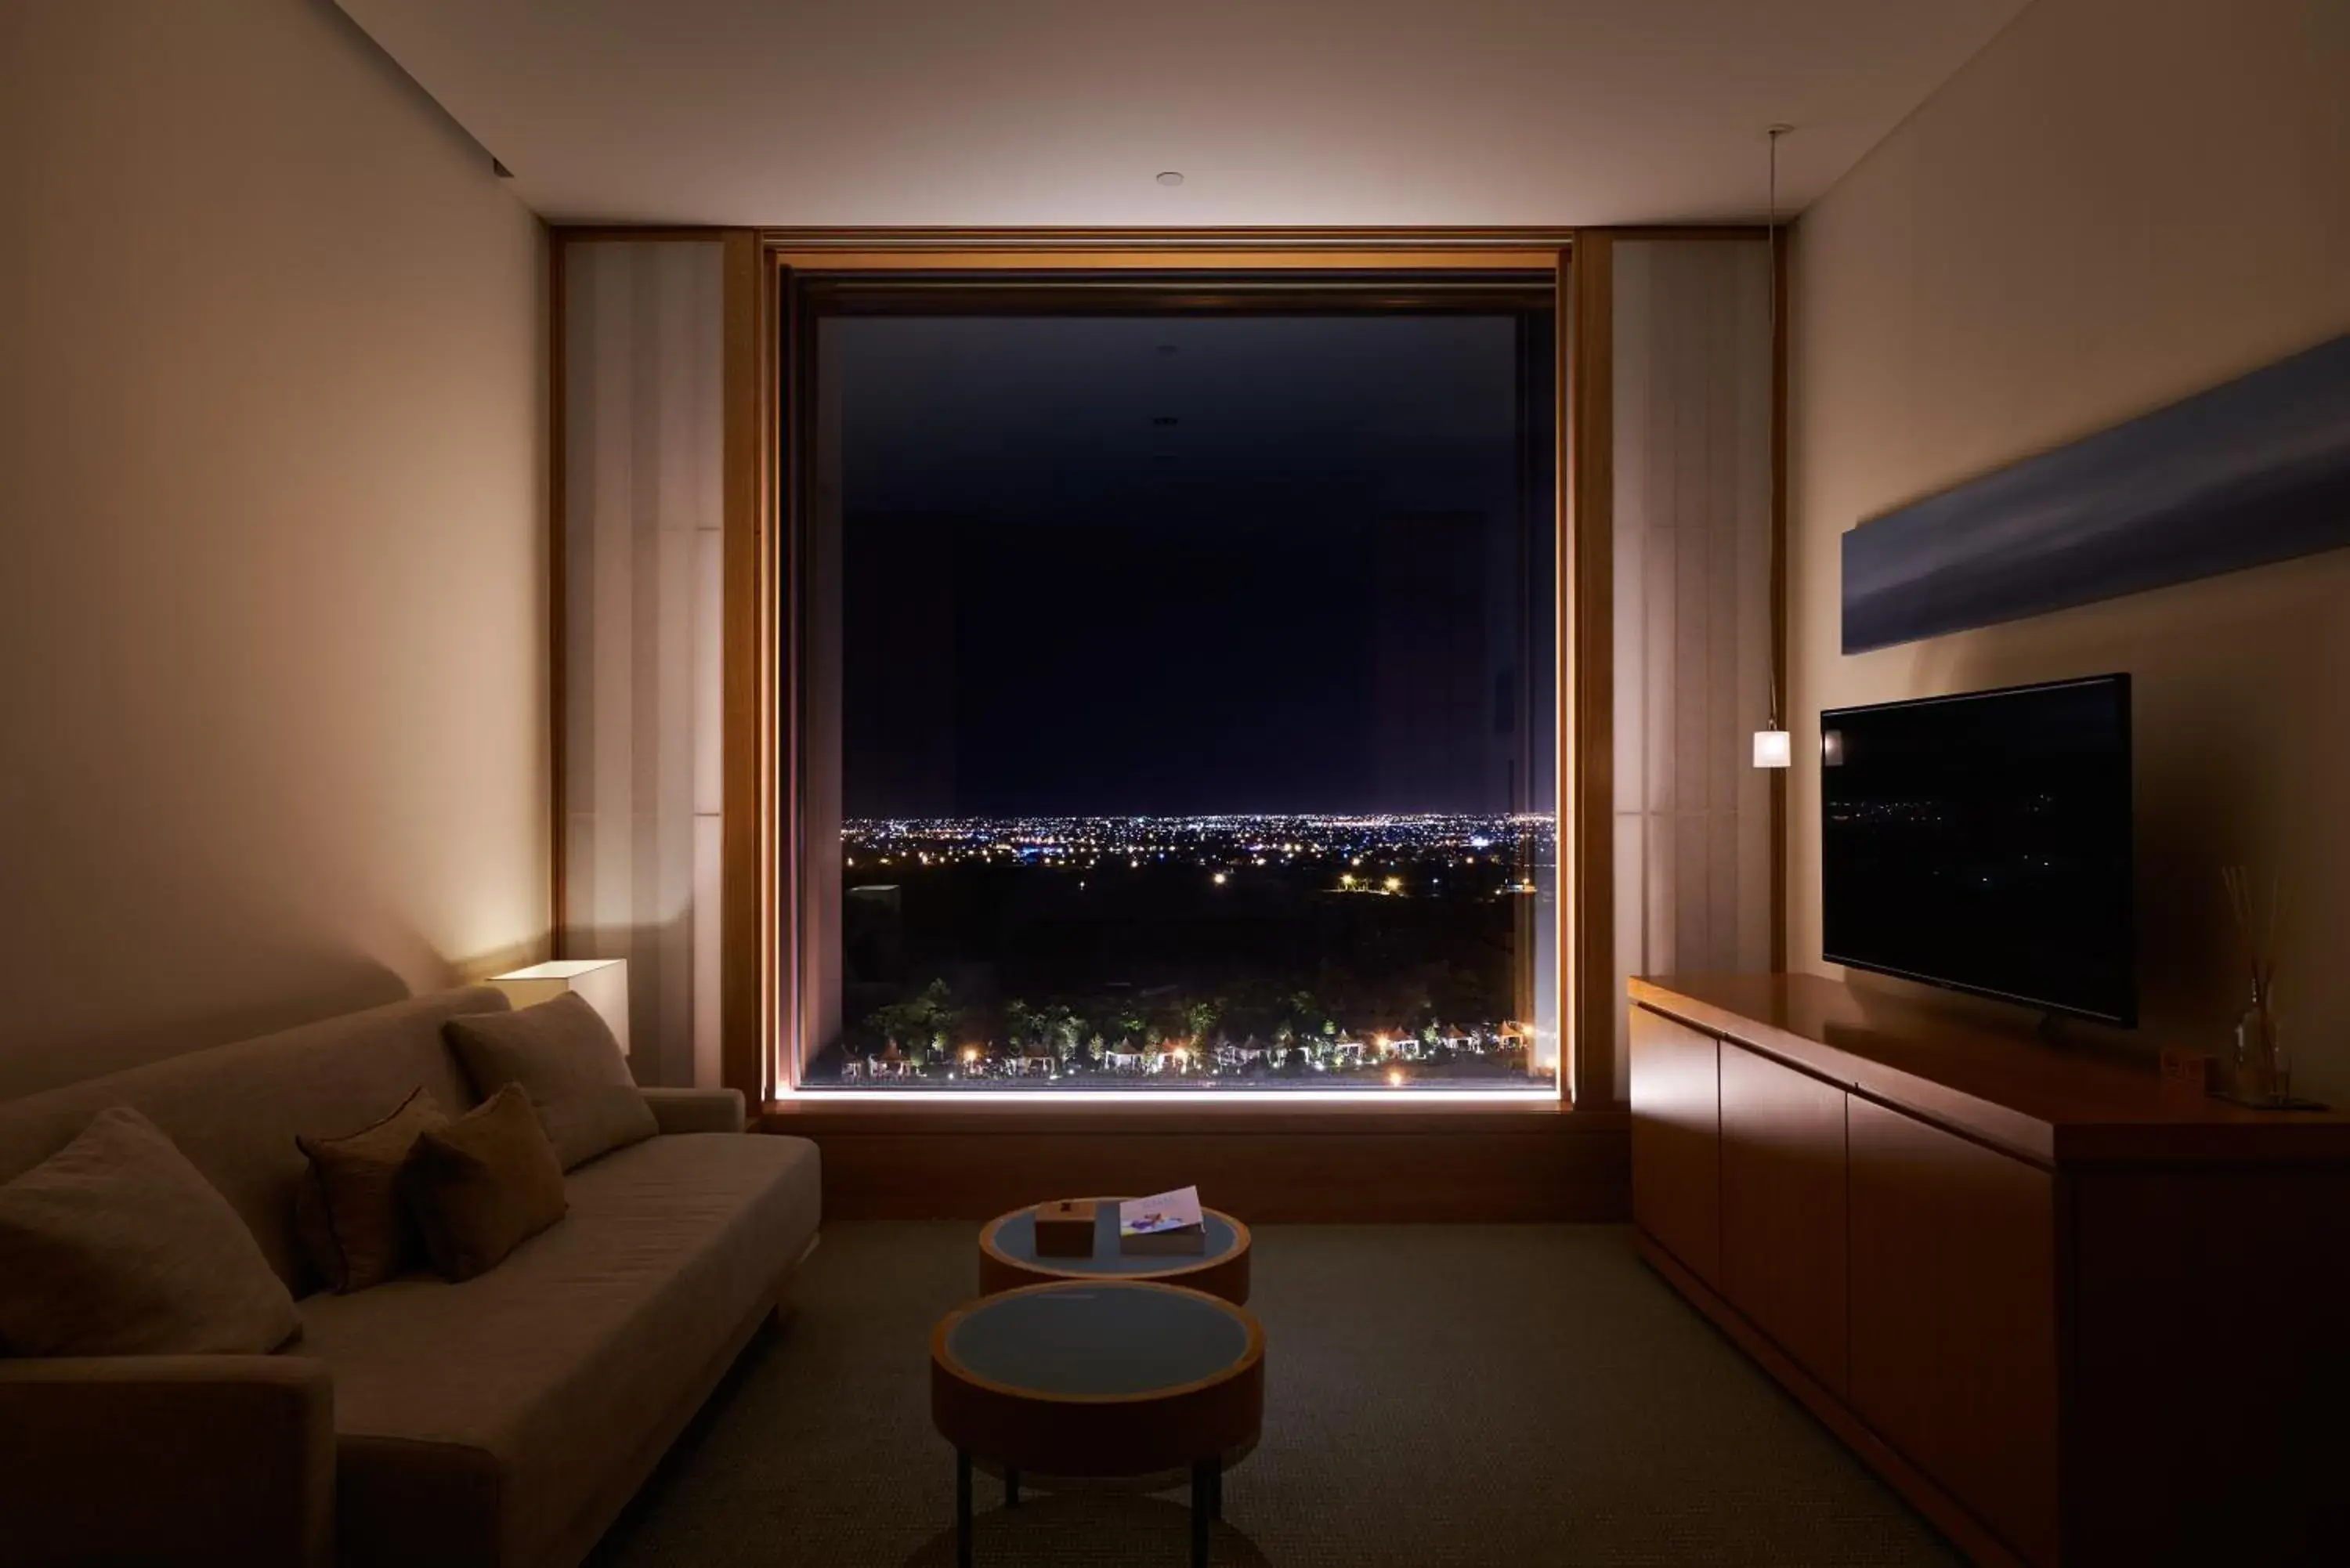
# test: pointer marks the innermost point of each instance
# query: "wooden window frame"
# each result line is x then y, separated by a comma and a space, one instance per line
761, 935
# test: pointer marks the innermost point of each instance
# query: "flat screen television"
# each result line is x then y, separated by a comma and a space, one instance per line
1982, 842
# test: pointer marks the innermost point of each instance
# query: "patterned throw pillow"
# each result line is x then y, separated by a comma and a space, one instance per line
349, 1211
484, 1185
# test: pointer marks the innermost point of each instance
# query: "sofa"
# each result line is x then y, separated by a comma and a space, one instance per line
502, 1421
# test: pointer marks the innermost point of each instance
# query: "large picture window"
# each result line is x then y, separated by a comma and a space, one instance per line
1177, 685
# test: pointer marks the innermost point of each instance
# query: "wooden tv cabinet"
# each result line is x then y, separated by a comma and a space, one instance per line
2075, 1316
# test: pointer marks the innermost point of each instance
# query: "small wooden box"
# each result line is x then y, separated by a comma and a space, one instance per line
2192, 1073
1066, 1228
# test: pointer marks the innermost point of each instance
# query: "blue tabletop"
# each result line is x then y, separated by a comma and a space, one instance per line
1101, 1340
1017, 1238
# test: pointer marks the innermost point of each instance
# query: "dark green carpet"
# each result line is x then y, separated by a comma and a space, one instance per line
1435, 1396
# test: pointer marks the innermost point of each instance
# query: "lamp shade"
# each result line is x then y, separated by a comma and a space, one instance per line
601, 984
1772, 748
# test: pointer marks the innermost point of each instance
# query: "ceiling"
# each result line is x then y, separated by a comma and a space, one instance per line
984, 113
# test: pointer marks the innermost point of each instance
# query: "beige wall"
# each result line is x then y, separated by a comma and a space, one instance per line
272, 481
2117, 202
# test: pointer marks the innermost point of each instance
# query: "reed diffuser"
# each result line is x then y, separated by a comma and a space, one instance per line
2263, 1072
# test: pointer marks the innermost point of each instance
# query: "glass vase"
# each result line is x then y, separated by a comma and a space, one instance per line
2264, 1072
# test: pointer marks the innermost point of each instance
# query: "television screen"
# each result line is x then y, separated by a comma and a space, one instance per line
1982, 842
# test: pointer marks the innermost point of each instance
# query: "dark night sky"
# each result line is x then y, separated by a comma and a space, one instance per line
1305, 593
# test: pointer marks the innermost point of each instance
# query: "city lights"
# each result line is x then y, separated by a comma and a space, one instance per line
1437, 840
1437, 895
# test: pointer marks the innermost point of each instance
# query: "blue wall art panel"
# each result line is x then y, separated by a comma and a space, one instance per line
2250, 472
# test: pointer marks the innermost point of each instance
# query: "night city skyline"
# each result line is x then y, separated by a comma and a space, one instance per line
1153, 952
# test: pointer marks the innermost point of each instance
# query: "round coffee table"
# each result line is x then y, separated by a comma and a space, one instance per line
1008, 1259
1096, 1379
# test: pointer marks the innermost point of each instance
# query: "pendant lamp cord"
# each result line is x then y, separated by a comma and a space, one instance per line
1771, 228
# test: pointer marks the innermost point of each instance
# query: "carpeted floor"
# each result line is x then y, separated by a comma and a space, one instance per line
1435, 1396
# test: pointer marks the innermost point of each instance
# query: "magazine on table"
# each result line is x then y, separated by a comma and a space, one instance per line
1165, 1222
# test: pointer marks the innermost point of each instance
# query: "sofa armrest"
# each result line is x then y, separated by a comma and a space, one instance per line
167, 1458
696, 1110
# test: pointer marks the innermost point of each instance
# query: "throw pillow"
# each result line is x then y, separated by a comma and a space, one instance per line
562, 1053
484, 1185
349, 1211
116, 1245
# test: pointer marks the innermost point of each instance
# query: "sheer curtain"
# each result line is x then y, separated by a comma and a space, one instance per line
642, 414
1692, 609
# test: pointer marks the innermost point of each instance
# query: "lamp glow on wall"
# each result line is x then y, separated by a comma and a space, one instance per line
601, 984
1773, 748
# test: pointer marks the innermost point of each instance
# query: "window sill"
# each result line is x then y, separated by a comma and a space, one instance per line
1371, 1159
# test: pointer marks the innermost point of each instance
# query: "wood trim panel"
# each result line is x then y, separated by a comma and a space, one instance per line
1161, 240
745, 1029
1562, 339
1677, 1139
1784, 1244
1048, 291
834, 251
786, 444
950, 259
1954, 1348
1945, 1512
1588, 829
2004, 1088
776, 711
1385, 1162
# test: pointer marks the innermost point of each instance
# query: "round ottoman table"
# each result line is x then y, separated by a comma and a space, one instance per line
1097, 1379
1007, 1255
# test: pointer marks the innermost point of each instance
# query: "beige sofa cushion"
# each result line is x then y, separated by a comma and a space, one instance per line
236, 1110
563, 1055
482, 1185
482, 1423
116, 1246
351, 1213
